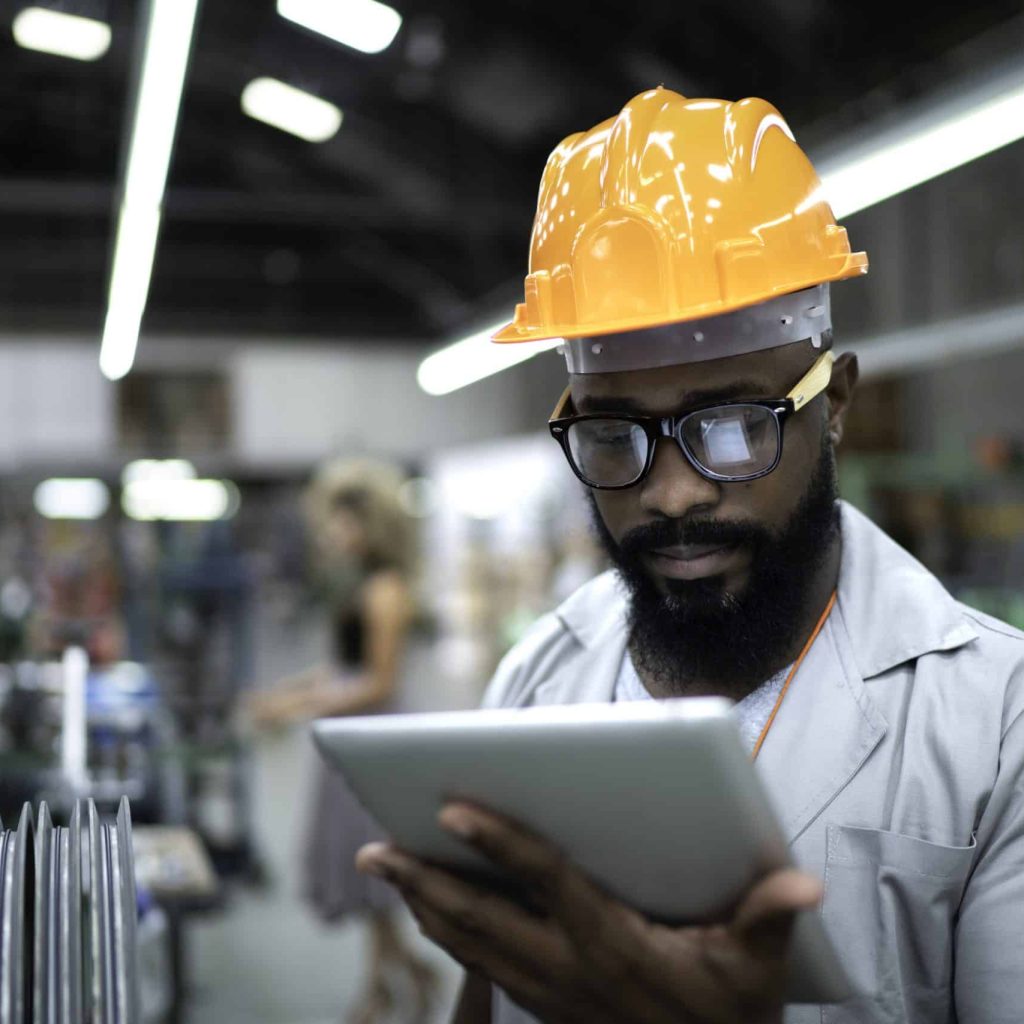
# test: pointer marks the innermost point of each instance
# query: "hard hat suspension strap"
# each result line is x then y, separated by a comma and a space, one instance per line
797, 316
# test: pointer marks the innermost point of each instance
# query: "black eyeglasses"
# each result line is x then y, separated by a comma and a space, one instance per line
728, 441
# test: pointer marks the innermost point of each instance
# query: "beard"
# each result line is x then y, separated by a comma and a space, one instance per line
694, 636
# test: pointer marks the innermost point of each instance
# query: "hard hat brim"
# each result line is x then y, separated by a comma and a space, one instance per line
855, 265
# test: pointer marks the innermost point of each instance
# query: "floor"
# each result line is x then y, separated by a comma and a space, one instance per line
266, 960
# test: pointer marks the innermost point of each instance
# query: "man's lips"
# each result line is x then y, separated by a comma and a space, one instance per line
695, 561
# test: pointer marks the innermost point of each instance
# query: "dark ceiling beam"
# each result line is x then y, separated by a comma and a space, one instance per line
29, 196
229, 206
253, 323
395, 150
438, 301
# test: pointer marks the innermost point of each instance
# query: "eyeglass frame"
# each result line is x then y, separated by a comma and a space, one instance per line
807, 388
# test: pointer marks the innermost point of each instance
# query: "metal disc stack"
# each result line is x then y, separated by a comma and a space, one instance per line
113, 992
64, 960
16, 869
57, 985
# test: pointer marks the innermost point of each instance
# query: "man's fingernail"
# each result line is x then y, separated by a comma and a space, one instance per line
457, 821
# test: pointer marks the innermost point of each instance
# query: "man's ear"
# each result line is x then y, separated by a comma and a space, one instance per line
840, 393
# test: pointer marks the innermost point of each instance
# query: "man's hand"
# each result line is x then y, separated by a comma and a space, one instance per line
577, 955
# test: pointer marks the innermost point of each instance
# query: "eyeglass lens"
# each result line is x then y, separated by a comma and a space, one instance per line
735, 441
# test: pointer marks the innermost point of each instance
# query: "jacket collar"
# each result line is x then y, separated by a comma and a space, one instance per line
889, 610
894, 609
596, 610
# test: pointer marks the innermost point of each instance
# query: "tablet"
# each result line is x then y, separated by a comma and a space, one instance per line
657, 801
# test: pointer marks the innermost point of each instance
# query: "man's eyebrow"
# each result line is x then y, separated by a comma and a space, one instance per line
692, 399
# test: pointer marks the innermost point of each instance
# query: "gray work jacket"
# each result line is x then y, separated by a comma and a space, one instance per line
896, 765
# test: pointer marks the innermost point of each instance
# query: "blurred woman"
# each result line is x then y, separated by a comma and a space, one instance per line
363, 545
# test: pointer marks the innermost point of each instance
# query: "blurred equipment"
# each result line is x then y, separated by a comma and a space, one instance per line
176, 878
68, 731
646, 235
172, 863
69, 920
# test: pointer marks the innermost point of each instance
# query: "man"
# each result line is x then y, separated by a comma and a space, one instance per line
684, 251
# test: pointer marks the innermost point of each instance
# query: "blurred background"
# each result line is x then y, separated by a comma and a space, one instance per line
351, 190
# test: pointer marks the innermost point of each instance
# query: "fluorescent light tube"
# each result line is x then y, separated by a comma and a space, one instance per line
474, 358
134, 250
66, 35
168, 41
922, 149
290, 109
183, 500
157, 469
71, 498
362, 24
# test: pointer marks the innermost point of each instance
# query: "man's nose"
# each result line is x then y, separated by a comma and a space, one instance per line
673, 488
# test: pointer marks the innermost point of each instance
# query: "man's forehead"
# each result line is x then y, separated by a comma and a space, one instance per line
770, 373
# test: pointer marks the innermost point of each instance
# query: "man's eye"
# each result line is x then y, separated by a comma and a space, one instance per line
615, 438
756, 428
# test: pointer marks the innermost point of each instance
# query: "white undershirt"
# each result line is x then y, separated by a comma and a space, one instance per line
751, 713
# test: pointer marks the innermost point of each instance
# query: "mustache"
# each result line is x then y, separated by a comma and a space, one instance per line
641, 540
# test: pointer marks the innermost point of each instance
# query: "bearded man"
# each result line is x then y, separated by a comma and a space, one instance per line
684, 251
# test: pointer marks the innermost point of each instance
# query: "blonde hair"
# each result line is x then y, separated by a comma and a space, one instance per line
372, 492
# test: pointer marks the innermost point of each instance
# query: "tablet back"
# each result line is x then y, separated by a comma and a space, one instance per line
657, 801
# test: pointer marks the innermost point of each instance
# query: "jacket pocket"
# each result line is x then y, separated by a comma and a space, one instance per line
890, 903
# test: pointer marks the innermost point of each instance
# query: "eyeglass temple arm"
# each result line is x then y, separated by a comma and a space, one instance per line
813, 382
561, 405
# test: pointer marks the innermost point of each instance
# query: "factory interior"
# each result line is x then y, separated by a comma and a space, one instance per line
240, 240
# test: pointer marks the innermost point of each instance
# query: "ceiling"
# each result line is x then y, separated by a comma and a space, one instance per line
413, 222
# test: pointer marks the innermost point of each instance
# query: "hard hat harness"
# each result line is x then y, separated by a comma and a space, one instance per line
798, 316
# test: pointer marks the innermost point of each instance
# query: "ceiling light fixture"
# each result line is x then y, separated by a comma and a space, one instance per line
157, 469
290, 109
71, 498
154, 122
855, 177
922, 148
472, 359
65, 35
182, 500
362, 24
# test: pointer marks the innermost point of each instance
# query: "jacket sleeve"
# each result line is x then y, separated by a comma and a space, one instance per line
989, 939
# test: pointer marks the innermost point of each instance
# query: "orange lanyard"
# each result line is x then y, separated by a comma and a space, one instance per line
792, 673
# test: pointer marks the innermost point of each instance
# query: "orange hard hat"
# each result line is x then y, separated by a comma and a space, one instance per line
675, 210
